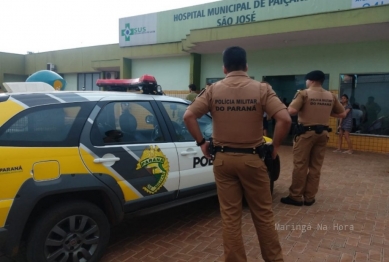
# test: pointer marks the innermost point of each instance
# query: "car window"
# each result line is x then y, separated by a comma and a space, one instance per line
44, 126
176, 112
126, 123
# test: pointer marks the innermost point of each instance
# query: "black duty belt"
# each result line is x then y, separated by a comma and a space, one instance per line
225, 149
315, 127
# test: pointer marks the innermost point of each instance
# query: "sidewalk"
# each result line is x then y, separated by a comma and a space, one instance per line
349, 221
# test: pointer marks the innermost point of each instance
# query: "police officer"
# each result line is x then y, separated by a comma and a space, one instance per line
237, 104
314, 107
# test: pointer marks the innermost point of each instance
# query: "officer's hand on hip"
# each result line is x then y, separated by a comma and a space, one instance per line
274, 150
205, 149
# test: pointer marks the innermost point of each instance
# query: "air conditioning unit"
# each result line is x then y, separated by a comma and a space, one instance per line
50, 67
112, 75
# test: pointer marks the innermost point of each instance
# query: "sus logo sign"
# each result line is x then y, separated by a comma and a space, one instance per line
202, 161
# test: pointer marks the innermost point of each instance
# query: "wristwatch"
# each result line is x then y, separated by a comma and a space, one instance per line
202, 142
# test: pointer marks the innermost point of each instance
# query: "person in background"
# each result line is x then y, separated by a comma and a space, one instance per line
364, 115
372, 109
192, 93
364, 118
206, 86
345, 126
357, 117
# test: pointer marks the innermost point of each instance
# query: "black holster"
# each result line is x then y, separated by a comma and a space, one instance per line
267, 155
212, 149
273, 165
299, 129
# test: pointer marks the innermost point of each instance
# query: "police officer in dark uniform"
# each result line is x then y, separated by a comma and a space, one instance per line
314, 107
237, 104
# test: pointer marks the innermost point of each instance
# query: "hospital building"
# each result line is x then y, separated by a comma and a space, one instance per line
347, 39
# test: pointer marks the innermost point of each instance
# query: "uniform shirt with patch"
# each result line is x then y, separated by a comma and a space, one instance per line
237, 104
315, 106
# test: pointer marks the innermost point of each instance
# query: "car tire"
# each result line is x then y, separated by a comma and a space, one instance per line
70, 231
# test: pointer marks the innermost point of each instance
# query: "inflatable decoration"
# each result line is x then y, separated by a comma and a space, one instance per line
48, 77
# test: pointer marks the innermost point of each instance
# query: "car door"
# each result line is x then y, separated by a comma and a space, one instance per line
127, 140
196, 171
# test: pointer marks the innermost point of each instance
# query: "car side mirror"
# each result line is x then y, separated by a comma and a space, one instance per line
149, 119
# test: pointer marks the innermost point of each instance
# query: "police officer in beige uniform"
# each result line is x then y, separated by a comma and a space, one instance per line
237, 104
314, 107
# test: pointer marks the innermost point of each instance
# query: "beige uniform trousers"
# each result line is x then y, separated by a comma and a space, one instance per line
308, 155
245, 174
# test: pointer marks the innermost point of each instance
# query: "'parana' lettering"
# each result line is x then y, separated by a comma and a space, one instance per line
241, 108
11, 169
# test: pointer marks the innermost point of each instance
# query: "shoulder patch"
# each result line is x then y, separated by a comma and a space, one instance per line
202, 92
297, 93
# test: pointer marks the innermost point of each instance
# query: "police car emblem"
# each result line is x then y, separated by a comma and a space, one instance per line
155, 162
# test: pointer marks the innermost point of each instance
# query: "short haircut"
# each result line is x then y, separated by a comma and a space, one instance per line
346, 96
234, 59
192, 87
316, 75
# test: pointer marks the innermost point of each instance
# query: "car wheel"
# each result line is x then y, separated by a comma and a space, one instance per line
71, 231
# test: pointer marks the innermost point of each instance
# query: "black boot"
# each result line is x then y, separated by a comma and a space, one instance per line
287, 200
309, 203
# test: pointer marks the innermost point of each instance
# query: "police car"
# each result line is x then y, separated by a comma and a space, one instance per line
74, 162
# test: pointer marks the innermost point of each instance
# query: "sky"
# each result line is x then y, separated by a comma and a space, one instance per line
47, 25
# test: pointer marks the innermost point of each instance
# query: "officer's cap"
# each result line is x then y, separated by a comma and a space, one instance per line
316, 75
